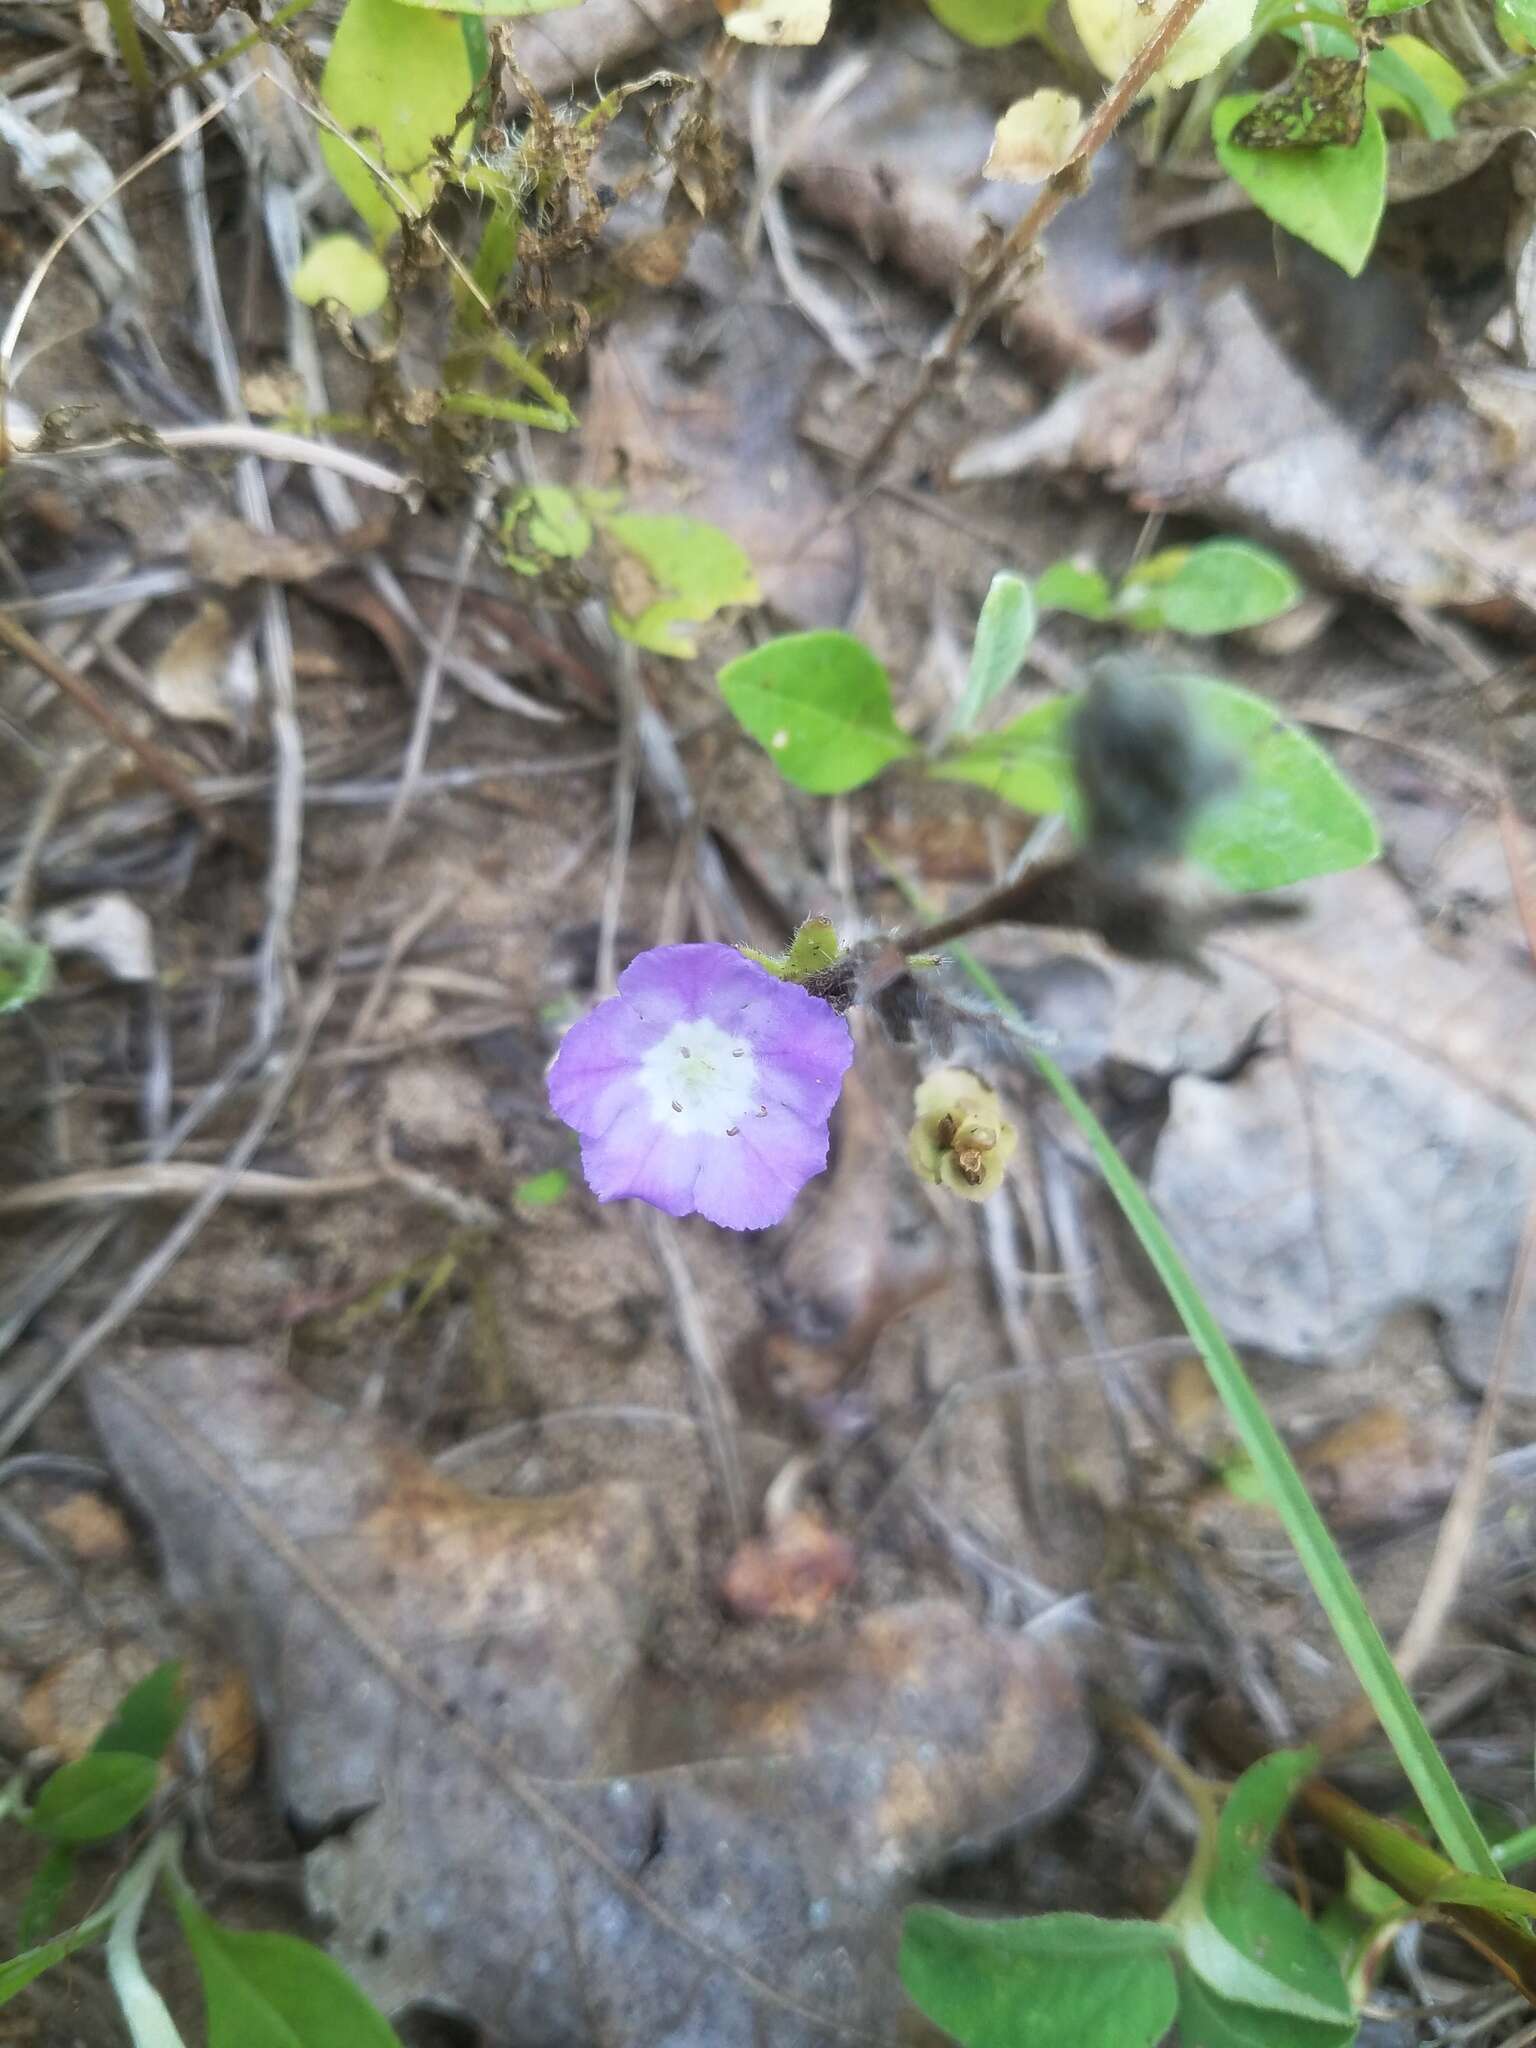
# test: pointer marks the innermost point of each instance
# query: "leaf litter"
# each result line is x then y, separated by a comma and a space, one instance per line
858, 1329
525, 1823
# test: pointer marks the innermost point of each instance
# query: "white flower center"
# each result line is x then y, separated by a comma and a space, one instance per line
700, 1078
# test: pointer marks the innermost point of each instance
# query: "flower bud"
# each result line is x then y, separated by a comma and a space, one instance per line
960, 1140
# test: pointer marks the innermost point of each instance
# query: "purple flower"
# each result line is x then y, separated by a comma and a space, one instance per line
704, 1084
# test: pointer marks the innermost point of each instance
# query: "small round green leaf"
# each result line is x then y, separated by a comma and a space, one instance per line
339, 267
397, 79
1331, 197
821, 705
989, 24
1065, 587
94, 1798
1042, 1983
274, 1991
1223, 585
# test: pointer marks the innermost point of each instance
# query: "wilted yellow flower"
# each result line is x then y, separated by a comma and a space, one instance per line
1113, 31
1036, 137
960, 1140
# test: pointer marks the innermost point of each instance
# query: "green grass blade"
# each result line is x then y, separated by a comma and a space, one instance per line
1358, 1635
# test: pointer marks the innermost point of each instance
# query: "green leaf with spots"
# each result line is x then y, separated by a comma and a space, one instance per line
1331, 197
1040, 1983
671, 574
821, 705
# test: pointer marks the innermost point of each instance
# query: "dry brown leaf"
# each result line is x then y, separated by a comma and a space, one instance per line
90, 1528
1215, 419
1378, 1155
540, 1831
228, 552
1035, 138
197, 677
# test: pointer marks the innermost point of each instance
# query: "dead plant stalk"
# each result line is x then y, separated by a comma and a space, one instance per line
986, 291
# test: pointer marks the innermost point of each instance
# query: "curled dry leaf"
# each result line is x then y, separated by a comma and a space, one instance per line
1036, 138
228, 552
200, 676
529, 1824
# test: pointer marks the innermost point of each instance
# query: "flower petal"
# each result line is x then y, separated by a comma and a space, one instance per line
640, 1158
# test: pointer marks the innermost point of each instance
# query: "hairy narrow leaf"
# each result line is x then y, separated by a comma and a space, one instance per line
821, 704
1040, 1983
1004, 629
1331, 197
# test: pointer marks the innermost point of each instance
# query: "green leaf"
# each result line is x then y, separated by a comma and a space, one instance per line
26, 968
1331, 197
544, 1190
1413, 79
821, 704
397, 79
1028, 763
147, 1717
339, 267
691, 571
1065, 587
1253, 1810
1492, 1893
46, 1894
1004, 629
1219, 586
812, 950
1042, 1983
1515, 21
274, 1991
19, 1971
1297, 1977
1207, 2020
1377, 8
542, 524
94, 1798
989, 24
1294, 815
